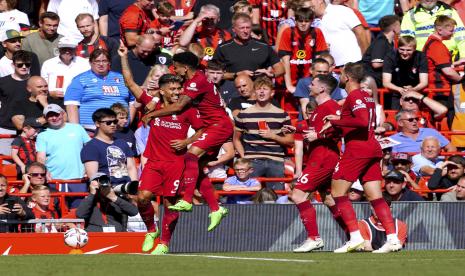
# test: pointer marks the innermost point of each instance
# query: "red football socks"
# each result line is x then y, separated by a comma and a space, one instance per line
338, 217
191, 175
308, 216
347, 212
208, 193
384, 215
168, 224
146, 212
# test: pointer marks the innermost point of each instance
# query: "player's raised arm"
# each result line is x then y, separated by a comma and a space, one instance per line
135, 89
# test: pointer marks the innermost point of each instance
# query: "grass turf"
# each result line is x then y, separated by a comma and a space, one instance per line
324, 263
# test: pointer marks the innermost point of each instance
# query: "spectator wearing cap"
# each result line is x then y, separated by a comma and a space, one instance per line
457, 194
12, 93
32, 107
60, 70
23, 147
356, 192
68, 10
11, 42
395, 188
44, 42
448, 173
410, 135
97, 88
143, 57
92, 39
59, 148
402, 162
428, 159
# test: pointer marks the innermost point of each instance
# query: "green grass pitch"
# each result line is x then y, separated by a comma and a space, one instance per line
242, 264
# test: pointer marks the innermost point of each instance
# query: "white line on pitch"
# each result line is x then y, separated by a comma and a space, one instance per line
243, 258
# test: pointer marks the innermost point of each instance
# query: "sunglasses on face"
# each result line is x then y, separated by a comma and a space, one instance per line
411, 99
37, 174
25, 64
412, 119
403, 163
110, 122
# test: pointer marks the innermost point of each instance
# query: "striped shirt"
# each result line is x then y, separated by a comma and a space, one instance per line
90, 92
256, 147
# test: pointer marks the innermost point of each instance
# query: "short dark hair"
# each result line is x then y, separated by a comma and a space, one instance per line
354, 71
304, 14
36, 164
187, 58
327, 80
215, 65
22, 55
101, 113
386, 22
165, 8
98, 52
169, 78
49, 15
319, 60
457, 159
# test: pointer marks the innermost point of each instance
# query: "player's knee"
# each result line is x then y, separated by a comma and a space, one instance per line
298, 196
144, 197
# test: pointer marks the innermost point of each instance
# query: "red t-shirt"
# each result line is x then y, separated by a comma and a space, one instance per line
357, 124
206, 98
167, 128
300, 49
438, 57
210, 41
322, 149
134, 19
271, 13
168, 40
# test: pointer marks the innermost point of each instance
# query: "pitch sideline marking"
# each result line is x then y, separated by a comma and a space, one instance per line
243, 258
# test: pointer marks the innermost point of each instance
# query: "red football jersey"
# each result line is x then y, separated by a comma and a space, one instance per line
206, 98
182, 7
301, 49
271, 13
167, 128
438, 57
324, 148
357, 124
133, 19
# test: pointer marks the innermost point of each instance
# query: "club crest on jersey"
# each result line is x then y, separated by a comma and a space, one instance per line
156, 122
174, 117
162, 60
311, 42
283, 4
117, 80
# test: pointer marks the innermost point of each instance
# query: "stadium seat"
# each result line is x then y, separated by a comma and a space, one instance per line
9, 170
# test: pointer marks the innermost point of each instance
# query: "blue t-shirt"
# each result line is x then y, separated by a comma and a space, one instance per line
62, 149
409, 145
111, 158
241, 199
114, 9
91, 91
373, 10
127, 135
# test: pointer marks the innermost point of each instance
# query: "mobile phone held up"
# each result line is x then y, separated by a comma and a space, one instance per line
262, 125
177, 25
11, 203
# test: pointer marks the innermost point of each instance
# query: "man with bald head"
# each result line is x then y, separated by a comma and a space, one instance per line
244, 86
143, 56
33, 106
428, 159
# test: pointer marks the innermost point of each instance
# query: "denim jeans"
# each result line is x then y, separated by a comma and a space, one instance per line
269, 168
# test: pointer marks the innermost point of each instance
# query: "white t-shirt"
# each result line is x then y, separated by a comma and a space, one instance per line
68, 10
6, 67
54, 68
13, 17
337, 24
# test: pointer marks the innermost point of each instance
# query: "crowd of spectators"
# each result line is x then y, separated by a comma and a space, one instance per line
59, 65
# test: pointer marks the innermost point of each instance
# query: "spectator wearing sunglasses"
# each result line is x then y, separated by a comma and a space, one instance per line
11, 42
105, 154
411, 135
36, 175
428, 109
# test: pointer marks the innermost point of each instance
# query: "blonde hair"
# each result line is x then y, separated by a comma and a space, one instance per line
156, 68
37, 189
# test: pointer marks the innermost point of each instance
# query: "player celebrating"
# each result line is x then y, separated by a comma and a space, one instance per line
322, 159
361, 160
166, 146
218, 130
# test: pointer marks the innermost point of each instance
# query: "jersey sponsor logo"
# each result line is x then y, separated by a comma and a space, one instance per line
209, 51
358, 105
301, 54
274, 13
300, 61
179, 12
110, 90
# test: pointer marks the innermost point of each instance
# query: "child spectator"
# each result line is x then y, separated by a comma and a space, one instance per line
241, 181
43, 208
163, 24
23, 147
123, 132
